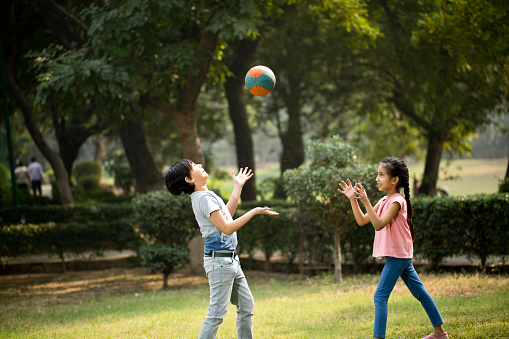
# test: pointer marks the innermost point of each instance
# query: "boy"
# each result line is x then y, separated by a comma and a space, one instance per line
221, 262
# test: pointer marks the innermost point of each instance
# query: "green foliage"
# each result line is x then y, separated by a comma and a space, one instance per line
166, 224
84, 213
164, 218
315, 189
88, 175
4, 185
60, 238
503, 186
475, 226
268, 233
163, 258
117, 166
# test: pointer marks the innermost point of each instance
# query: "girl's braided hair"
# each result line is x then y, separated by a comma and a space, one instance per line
397, 168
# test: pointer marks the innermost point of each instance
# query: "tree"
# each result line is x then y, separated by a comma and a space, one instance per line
430, 73
302, 72
20, 82
315, 189
239, 59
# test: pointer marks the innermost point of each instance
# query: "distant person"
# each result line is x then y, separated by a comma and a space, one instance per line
394, 235
36, 174
22, 176
221, 261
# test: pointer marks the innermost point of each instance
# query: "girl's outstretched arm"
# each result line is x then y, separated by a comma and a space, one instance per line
378, 222
348, 190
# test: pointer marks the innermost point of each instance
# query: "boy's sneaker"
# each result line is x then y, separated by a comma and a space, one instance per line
437, 336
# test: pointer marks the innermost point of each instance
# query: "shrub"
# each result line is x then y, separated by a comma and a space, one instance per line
475, 226
267, 233
166, 224
163, 258
503, 186
60, 238
88, 175
164, 218
315, 189
79, 213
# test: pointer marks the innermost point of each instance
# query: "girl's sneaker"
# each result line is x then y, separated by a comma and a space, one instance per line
437, 336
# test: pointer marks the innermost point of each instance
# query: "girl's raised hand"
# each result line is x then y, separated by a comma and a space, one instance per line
360, 193
347, 189
244, 175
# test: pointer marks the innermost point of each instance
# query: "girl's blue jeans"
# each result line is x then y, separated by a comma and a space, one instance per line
227, 284
393, 269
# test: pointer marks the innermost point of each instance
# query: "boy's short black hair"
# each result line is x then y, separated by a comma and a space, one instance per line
175, 177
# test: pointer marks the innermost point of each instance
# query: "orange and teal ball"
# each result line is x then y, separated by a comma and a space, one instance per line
260, 80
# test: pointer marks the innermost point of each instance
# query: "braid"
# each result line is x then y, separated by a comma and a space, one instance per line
410, 210
397, 168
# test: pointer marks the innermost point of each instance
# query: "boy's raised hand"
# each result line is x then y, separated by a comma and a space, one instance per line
244, 175
265, 210
347, 189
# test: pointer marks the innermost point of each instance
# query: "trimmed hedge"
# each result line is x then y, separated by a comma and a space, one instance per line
60, 238
80, 213
476, 226
270, 233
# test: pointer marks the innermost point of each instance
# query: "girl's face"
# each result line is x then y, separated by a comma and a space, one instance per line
384, 181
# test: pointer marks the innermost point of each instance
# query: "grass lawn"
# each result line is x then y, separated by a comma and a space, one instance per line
125, 303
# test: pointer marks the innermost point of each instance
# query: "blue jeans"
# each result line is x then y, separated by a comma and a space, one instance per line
227, 284
393, 269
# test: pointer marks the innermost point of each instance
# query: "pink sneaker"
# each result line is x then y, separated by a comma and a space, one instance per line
437, 336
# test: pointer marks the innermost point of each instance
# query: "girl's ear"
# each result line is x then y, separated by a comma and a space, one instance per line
189, 180
395, 180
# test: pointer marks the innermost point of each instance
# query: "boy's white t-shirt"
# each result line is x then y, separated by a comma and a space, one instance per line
204, 203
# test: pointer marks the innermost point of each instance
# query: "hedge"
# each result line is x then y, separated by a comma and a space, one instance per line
476, 226
60, 238
79, 213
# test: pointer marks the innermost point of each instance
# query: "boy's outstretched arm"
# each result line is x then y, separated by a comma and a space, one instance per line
238, 181
228, 228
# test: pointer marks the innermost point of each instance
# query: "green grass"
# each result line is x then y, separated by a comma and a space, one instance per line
470, 176
473, 306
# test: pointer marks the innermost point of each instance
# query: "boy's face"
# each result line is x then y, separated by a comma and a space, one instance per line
198, 174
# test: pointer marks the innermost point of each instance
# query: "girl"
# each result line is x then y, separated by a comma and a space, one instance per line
393, 239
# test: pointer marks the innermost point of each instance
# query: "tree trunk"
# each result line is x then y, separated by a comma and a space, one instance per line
291, 139
507, 168
101, 146
242, 55
61, 175
432, 165
338, 273
166, 274
148, 177
188, 137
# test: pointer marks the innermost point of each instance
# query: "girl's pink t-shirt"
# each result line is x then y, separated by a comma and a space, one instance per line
395, 239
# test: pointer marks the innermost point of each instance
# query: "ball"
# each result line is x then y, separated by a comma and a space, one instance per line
260, 80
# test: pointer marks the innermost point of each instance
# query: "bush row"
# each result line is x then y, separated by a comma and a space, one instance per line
60, 238
79, 213
476, 226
